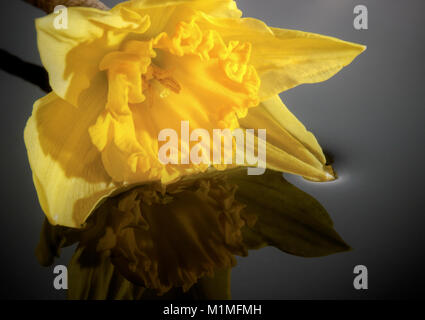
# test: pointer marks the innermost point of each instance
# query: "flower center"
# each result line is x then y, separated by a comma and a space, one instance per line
162, 76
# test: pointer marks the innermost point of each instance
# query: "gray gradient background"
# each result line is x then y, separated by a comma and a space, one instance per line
370, 116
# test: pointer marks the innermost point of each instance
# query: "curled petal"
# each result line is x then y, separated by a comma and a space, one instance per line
67, 169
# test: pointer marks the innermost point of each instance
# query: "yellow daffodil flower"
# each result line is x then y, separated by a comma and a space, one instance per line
121, 76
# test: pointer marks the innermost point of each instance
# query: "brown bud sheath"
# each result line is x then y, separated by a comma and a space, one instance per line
49, 5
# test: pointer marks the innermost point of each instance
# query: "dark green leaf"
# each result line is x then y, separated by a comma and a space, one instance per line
288, 218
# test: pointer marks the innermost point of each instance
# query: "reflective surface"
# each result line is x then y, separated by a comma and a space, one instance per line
369, 116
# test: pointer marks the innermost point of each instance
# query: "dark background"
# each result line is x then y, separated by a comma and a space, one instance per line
370, 116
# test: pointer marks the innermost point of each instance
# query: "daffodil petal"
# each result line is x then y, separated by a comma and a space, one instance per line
298, 57
67, 169
286, 58
290, 147
72, 55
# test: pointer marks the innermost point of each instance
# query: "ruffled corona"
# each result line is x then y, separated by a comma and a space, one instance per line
143, 72
161, 240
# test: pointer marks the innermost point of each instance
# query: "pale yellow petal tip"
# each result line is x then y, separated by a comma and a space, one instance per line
358, 47
354, 48
330, 173
362, 48
330, 177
